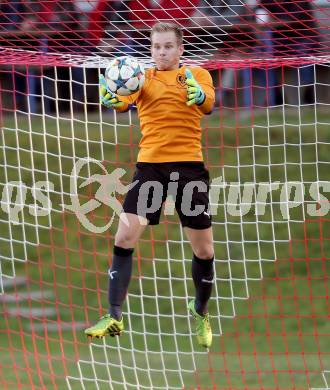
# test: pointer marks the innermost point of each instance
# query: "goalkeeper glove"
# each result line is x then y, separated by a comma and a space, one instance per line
108, 98
195, 94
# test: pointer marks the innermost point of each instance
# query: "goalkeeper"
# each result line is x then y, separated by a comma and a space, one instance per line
170, 106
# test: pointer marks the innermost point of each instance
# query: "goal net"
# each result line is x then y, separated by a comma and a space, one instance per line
266, 146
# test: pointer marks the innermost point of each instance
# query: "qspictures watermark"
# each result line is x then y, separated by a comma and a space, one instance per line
237, 199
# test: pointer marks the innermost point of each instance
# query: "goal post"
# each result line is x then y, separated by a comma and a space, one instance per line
266, 146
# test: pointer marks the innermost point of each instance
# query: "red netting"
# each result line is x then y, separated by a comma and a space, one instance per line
261, 29
270, 129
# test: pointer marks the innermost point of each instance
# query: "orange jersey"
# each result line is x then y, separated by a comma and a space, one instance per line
171, 130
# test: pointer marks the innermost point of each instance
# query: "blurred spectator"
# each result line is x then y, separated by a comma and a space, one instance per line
49, 26
265, 77
11, 15
130, 23
285, 28
295, 35
15, 18
54, 24
209, 24
109, 27
295, 27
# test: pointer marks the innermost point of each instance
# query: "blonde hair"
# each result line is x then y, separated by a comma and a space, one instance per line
166, 27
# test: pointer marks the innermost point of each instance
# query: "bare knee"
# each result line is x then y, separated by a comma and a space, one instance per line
204, 253
125, 240
129, 231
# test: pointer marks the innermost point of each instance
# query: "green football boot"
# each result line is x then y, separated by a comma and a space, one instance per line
203, 327
106, 326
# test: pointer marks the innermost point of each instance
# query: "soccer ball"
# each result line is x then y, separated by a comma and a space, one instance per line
124, 76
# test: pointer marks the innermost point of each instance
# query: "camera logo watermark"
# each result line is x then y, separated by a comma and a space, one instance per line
110, 184
236, 199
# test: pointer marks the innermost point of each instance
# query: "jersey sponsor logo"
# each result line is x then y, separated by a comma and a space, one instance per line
181, 79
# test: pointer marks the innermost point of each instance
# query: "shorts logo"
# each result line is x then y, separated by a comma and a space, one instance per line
181, 80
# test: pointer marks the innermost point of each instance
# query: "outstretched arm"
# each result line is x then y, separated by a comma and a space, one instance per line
200, 93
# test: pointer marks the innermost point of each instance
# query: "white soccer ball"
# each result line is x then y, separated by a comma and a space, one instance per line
124, 76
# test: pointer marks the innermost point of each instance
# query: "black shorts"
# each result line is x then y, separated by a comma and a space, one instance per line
186, 182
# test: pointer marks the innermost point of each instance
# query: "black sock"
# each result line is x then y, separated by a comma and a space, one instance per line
119, 278
202, 274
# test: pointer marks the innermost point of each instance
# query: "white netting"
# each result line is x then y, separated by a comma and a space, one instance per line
269, 164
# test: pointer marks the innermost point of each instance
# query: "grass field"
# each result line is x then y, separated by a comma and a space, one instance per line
270, 318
